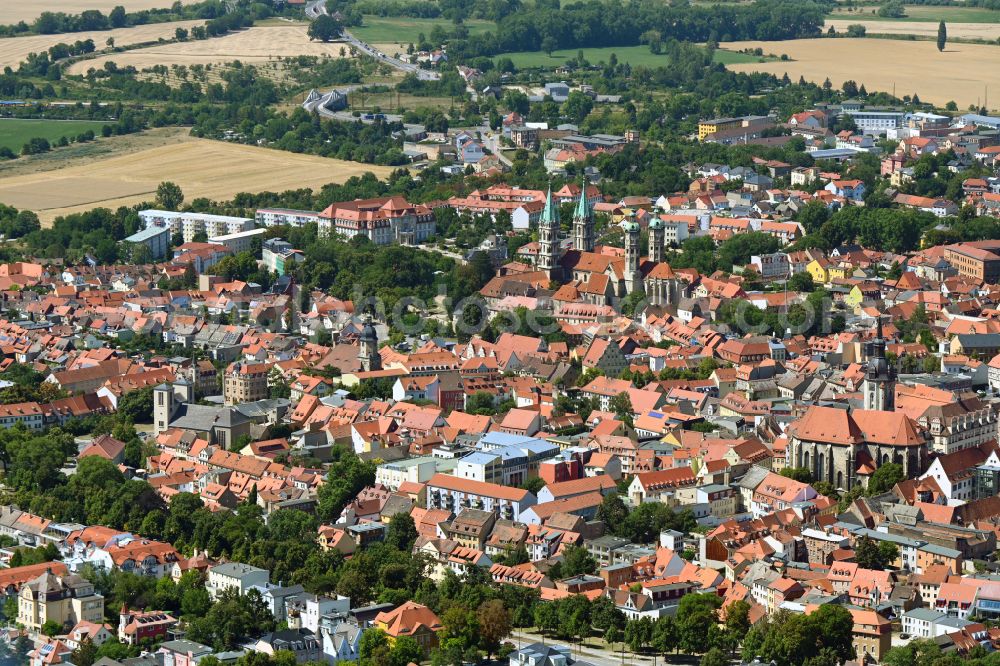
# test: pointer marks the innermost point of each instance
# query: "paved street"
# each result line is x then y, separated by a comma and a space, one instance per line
369, 50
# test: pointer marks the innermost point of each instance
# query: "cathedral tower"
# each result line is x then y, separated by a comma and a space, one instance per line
657, 237
548, 236
583, 223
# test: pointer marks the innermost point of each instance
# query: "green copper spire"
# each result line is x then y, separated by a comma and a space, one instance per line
550, 214
582, 206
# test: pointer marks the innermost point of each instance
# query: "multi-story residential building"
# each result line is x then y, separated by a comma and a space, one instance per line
413, 470
450, 492
771, 266
383, 221
523, 213
955, 421
65, 600
201, 256
155, 239
871, 121
135, 627
872, 634
202, 374
28, 413
922, 622
241, 241
235, 576
956, 473
279, 255
125, 552
716, 125
11, 579
470, 528
979, 260
523, 136
776, 493
956, 599
245, 382
301, 642
191, 224
274, 217
820, 545
720, 499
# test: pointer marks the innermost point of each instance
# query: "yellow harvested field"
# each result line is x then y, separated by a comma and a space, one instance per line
961, 73
12, 11
202, 167
256, 44
15, 49
989, 31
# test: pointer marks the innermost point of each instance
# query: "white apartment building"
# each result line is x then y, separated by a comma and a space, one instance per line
241, 241
190, 224
273, 217
876, 122
235, 576
414, 470
675, 232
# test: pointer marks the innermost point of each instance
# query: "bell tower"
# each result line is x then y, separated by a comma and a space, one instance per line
368, 340
633, 278
880, 377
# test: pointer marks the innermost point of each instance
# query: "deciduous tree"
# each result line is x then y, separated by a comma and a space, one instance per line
494, 625
169, 195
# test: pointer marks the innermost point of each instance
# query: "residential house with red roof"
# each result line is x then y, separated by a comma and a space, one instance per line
413, 620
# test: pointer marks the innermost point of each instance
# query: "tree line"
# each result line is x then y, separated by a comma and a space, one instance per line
92, 20
594, 25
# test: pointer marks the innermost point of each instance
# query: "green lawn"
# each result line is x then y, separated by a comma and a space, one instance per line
927, 13
633, 55
725, 57
15, 132
379, 30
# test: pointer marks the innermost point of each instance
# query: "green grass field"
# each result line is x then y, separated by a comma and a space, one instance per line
15, 132
926, 13
725, 57
639, 56
379, 30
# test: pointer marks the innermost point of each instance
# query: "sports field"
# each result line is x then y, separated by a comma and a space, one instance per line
987, 31
12, 11
15, 132
961, 73
256, 44
202, 167
387, 30
14, 50
638, 56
